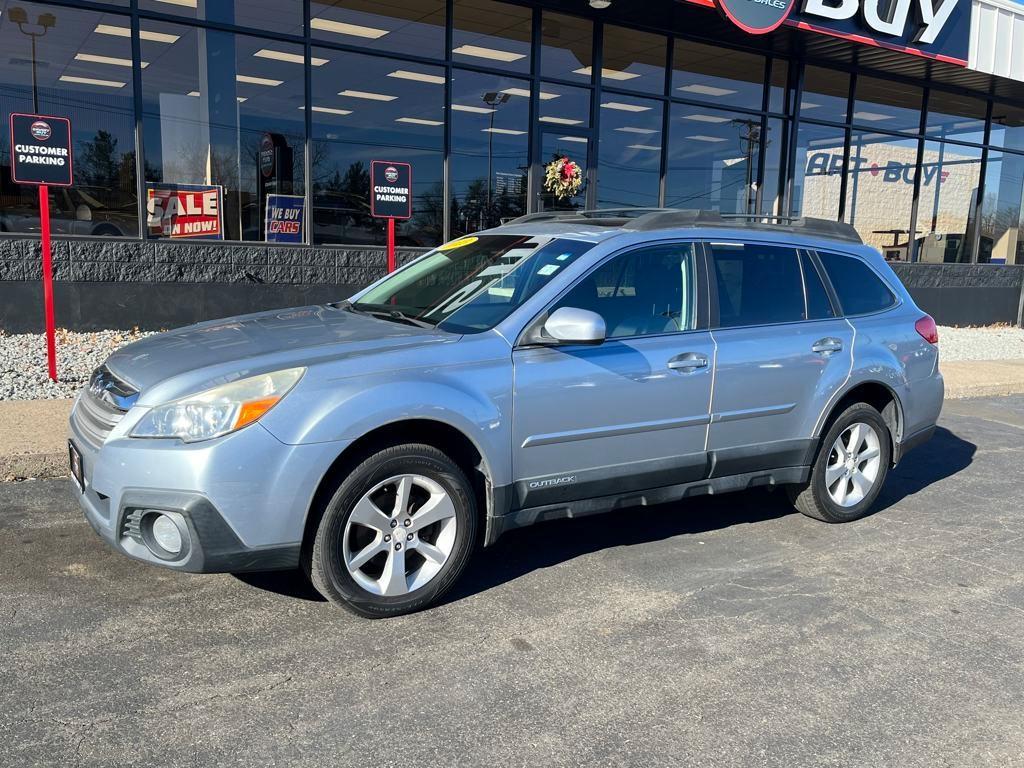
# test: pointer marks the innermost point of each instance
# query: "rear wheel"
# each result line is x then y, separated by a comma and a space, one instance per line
397, 533
850, 469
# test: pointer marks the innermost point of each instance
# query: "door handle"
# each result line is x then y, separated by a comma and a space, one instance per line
688, 361
827, 346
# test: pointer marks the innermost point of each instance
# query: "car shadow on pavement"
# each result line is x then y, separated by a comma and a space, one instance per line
944, 455
546, 544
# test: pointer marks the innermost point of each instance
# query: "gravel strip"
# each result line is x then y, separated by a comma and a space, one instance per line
1000, 342
23, 362
23, 357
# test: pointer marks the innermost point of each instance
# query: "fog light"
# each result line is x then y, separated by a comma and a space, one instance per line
166, 534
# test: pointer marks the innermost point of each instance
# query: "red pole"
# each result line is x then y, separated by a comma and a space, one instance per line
51, 342
391, 246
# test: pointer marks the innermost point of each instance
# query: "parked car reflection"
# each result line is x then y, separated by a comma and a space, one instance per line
73, 211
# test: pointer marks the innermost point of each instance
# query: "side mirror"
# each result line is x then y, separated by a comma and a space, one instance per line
570, 325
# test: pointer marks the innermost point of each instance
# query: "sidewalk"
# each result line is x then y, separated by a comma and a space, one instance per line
33, 433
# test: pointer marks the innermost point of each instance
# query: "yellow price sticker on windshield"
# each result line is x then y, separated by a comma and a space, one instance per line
462, 242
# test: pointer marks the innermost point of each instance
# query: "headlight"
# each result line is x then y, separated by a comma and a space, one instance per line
220, 410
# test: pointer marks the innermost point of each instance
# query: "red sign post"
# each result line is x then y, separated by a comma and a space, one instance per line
41, 155
390, 198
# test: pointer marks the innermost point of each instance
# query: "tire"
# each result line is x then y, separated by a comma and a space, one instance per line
361, 543
856, 482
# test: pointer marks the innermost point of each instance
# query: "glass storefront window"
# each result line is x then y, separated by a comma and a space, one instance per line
490, 150
488, 33
718, 75
567, 47
224, 110
819, 169
278, 15
1007, 126
1002, 226
634, 60
774, 158
825, 95
952, 116
713, 160
564, 105
83, 65
629, 170
779, 84
880, 191
398, 25
949, 187
887, 105
369, 108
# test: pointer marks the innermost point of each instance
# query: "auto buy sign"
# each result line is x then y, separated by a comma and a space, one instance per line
185, 211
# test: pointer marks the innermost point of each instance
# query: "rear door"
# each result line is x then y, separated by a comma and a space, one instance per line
782, 352
631, 413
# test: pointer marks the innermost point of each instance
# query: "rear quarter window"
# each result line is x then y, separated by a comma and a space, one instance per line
859, 289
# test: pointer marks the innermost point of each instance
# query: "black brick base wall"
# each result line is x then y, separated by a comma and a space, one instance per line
92, 260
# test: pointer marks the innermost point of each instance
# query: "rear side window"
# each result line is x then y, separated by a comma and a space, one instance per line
859, 289
757, 284
819, 306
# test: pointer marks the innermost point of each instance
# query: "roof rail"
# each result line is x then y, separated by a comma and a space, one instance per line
587, 213
835, 230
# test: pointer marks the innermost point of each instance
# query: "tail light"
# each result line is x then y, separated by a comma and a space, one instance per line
926, 327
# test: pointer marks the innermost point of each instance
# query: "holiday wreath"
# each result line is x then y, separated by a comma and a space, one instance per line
563, 178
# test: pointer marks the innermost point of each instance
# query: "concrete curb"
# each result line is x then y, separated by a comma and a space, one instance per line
32, 432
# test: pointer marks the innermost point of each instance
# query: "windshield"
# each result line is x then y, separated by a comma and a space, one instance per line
473, 283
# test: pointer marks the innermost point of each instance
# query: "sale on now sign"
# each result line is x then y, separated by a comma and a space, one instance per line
184, 211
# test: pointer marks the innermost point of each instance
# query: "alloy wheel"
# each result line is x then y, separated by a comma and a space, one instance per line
854, 464
399, 535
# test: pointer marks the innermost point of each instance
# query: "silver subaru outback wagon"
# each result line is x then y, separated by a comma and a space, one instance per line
555, 367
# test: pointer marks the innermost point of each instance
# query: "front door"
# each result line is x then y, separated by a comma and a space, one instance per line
631, 413
782, 353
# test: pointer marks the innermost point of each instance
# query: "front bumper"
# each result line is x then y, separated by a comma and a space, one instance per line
209, 544
239, 501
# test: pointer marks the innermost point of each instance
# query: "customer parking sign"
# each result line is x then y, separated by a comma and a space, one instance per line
41, 150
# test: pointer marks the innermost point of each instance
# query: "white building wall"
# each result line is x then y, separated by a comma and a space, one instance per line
997, 38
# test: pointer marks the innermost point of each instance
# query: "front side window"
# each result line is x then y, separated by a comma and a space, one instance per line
859, 289
471, 284
640, 293
757, 284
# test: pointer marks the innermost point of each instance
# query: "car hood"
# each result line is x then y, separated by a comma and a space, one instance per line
224, 350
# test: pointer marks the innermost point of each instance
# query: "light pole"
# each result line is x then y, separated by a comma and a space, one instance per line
492, 99
750, 138
44, 23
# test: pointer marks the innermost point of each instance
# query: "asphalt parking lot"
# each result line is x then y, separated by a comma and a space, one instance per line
729, 631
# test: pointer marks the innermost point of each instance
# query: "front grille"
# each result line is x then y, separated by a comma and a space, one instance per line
132, 526
97, 412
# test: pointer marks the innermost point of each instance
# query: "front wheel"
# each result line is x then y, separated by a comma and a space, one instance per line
850, 469
397, 533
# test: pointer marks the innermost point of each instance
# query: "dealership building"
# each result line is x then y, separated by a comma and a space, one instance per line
222, 148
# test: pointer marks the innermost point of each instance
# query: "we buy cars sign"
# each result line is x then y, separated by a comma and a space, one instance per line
185, 211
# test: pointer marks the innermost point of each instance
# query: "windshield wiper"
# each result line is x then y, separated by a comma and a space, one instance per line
387, 312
